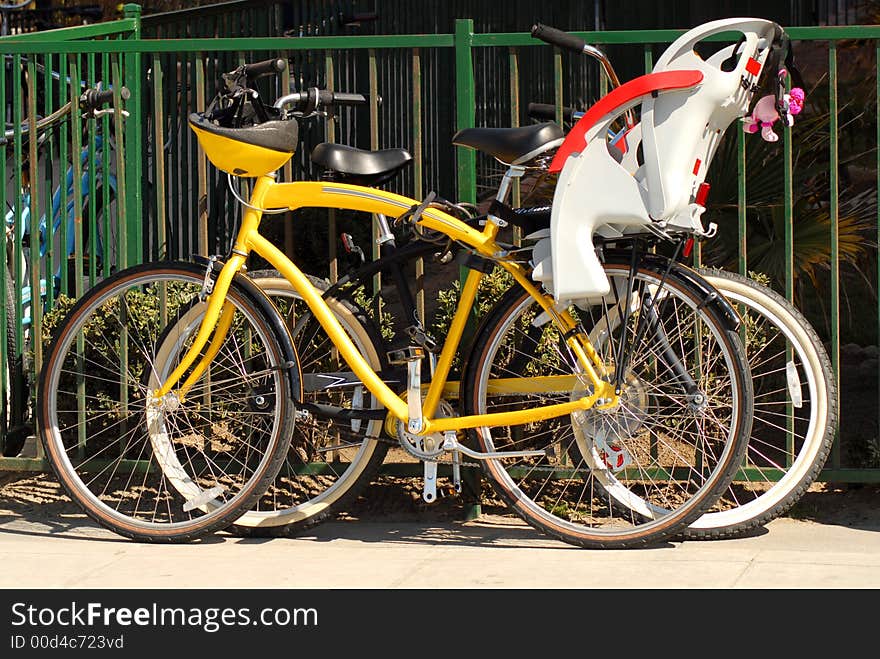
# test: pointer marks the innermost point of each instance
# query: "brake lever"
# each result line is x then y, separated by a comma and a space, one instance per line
94, 114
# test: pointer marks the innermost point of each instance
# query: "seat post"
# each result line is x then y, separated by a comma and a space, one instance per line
513, 171
385, 233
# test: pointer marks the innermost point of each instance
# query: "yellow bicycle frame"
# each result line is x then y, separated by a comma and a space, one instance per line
268, 194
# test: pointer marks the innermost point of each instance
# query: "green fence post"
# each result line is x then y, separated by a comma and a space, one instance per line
465, 108
465, 111
134, 153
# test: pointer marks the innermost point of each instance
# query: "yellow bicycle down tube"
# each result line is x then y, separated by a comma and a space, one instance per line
330, 324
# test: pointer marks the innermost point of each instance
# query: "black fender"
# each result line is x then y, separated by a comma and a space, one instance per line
276, 322
710, 297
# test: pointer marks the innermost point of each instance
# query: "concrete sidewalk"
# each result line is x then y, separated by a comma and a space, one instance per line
492, 552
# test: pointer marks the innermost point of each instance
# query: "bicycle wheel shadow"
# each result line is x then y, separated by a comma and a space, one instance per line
478, 533
35, 505
852, 506
494, 529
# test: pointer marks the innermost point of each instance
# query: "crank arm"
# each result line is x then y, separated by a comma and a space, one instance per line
429, 493
456, 470
454, 445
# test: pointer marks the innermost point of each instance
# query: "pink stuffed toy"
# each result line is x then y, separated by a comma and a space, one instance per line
766, 111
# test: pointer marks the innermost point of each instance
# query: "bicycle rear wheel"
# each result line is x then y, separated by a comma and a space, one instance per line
795, 410
639, 473
179, 468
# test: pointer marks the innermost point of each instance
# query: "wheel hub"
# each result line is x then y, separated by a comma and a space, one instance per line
602, 434
261, 399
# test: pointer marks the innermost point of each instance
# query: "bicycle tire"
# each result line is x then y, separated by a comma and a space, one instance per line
793, 457
575, 504
299, 498
186, 467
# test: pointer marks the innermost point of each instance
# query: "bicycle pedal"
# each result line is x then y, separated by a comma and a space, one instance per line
405, 355
449, 491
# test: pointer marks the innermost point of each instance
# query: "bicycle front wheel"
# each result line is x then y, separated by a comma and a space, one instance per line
635, 474
177, 468
795, 410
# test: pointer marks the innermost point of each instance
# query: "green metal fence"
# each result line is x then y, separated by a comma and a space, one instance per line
172, 203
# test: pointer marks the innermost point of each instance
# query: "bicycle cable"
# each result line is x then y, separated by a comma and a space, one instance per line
267, 211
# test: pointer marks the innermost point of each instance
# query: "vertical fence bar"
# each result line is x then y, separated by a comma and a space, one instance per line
330, 136
63, 151
877, 164
833, 209
35, 266
132, 183
465, 108
374, 144
516, 190
75, 151
287, 170
109, 253
557, 84
189, 194
201, 164
92, 171
122, 193
76, 161
418, 155
159, 155
48, 177
172, 180
465, 112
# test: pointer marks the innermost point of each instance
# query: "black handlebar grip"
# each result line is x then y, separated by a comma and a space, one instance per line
265, 68
92, 99
327, 97
342, 98
559, 38
548, 112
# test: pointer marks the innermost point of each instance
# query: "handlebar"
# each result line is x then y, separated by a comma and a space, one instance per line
267, 67
89, 102
558, 38
561, 39
92, 99
313, 98
574, 43
547, 112
236, 91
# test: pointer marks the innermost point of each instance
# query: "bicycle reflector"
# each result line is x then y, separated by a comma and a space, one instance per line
251, 151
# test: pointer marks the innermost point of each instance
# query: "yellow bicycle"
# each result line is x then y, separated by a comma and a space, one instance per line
168, 397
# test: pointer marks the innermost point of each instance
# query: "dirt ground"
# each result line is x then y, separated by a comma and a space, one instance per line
39, 498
